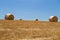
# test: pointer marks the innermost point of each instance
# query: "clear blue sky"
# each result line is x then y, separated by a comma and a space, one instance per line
30, 9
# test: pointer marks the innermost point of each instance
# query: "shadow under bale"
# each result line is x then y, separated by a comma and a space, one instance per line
9, 17
53, 19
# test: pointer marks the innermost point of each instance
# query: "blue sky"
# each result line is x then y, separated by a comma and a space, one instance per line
30, 9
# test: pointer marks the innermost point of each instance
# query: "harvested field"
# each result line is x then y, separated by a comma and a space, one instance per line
29, 30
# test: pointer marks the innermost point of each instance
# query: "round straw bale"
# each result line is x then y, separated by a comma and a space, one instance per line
53, 19
9, 17
36, 19
20, 19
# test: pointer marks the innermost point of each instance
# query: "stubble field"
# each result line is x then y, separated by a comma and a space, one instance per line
29, 30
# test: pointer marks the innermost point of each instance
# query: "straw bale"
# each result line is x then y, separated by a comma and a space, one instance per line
53, 19
9, 17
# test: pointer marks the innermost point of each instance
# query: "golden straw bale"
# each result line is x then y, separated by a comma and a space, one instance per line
20, 19
36, 19
9, 17
53, 19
